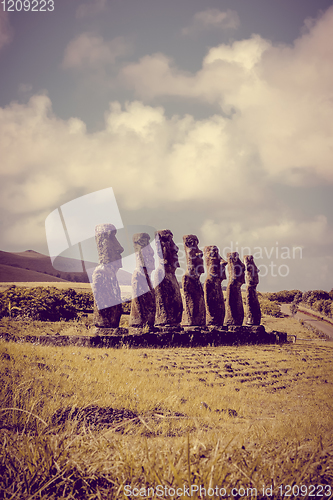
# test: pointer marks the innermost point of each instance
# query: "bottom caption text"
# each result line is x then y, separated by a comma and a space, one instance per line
287, 490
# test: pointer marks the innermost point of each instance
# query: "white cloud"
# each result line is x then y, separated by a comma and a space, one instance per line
243, 53
152, 162
91, 51
227, 70
92, 8
279, 98
212, 19
6, 32
148, 159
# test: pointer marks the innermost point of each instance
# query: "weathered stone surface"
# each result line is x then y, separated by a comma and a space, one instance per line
234, 302
139, 330
253, 313
192, 337
105, 286
143, 307
214, 300
169, 306
168, 329
100, 332
244, 330
194, 313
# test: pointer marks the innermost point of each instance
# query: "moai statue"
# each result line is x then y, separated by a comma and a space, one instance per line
169, 305
253, 313
234, 302
105, 286
143, 306
194, 313
213, 294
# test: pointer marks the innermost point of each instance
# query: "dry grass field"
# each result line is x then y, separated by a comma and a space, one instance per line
62, 285
85, 326
111, 423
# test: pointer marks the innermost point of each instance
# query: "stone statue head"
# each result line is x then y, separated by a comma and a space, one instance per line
236, 268
144, 252
251, 271
214, 262
194, 259
109, 248
167, 250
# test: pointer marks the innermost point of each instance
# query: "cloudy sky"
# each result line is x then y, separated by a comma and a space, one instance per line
208, 117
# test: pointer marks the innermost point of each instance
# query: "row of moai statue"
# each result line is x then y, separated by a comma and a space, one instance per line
160, 304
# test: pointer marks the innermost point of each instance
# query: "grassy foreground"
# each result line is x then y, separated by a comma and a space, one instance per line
189, 421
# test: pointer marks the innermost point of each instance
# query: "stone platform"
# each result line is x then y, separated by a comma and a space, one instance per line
160, 338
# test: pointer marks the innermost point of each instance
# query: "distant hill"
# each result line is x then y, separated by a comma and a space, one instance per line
11, 273
32, 266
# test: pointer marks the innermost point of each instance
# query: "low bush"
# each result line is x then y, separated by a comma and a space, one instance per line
320, 301
269, 307
45, 303
313, 295
285, 296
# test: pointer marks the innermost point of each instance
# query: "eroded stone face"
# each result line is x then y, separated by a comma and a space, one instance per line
253, 312
236, 269
108, 247
234, 302
167, 250
194, 313
214, 263
213, 294
143, 307
169, 306
143, 251
105, 286
194, 256
251, 271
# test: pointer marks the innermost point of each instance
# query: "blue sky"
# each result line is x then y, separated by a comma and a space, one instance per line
213, 118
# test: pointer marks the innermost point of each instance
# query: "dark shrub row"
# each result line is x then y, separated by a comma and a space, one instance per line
48, 303
45, 303
285, 296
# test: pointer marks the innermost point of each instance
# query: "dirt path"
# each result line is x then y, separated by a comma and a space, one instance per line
311, 320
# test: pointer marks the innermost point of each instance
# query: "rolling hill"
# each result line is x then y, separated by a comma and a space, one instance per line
16, 274
30, 266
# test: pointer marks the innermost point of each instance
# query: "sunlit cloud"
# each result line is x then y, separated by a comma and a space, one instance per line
278, 98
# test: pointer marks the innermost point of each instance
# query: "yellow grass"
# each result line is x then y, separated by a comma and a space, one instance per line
243, 416
58, 284
289, 325
256, 381
229, 416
